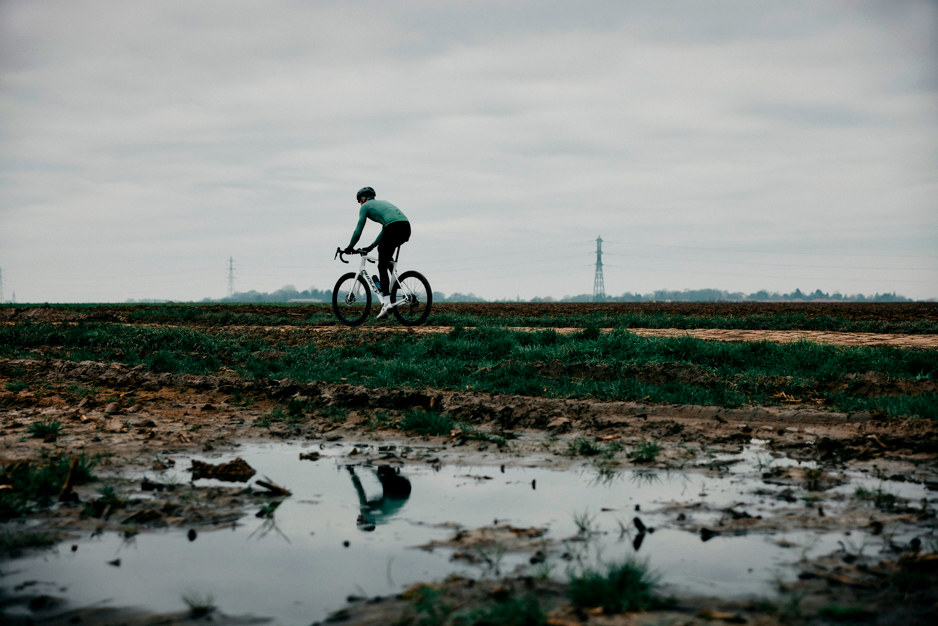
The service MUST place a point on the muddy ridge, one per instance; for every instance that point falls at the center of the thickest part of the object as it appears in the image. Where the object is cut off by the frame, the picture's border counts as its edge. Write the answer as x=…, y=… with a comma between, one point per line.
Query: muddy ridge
x=171, y=408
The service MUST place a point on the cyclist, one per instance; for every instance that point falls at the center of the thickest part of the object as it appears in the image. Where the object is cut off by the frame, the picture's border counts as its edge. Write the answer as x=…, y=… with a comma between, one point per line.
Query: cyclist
x=395, y=230
x=395, y=490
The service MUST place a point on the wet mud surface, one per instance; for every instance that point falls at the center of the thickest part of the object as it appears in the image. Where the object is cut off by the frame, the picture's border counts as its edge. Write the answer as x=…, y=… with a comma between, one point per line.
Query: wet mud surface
x=149, y=420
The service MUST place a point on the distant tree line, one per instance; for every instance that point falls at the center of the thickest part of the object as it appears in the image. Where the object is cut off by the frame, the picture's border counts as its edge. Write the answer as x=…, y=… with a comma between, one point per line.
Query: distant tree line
x=284, y=294
x=290, y=293
x=718, y=295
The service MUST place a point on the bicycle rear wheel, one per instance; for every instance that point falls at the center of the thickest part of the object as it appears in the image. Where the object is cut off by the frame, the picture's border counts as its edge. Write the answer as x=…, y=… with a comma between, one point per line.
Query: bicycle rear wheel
x=351, y=299
x=417, y=298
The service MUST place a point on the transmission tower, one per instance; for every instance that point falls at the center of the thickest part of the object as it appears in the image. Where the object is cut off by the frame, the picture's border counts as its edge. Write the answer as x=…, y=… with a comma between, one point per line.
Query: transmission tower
x=230, y=276
x=599, y=288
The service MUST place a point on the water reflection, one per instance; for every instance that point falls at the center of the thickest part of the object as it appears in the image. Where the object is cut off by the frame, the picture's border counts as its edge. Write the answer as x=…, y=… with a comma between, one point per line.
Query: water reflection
x=270, y=524
x=301, y=579
x=395, y=490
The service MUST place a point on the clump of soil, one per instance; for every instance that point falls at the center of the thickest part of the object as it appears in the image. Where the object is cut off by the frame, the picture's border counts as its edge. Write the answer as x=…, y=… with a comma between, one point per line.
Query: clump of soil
x=236, y=471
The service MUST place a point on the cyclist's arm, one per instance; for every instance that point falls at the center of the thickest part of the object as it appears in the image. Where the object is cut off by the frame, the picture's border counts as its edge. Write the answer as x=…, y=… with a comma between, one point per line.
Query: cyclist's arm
x=362, y=216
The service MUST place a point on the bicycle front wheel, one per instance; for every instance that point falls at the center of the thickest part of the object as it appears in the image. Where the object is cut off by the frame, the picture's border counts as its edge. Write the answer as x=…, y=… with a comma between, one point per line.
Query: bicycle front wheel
x=416, y=296
x=351, y=299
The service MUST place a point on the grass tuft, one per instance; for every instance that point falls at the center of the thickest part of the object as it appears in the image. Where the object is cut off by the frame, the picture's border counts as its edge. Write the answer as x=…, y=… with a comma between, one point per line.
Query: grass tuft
x=427, y=423
x=35, y=483
x=199, y=604
x=582, y=446
x=13, y=543
x=16, y=386
x=47, y=429
x=645, y=452
x=522, y=610
x=621, y=587
x=880, y=498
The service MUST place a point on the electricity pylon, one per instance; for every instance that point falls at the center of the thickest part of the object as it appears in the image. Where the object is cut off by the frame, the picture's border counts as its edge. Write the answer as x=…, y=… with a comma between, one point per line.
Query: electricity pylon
x=599, y=287
x=230, y=276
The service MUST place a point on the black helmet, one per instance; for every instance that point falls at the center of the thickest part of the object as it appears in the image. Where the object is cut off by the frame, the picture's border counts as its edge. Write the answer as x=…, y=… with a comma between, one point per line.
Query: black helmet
x=365, y=192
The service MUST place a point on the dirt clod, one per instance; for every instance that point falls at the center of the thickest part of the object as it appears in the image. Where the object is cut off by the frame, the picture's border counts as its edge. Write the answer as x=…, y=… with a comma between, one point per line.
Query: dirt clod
x=237, y=471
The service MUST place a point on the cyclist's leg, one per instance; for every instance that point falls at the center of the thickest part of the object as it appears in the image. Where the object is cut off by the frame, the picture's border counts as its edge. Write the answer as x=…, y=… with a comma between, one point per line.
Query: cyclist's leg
x=395, y=234
x=385, y=254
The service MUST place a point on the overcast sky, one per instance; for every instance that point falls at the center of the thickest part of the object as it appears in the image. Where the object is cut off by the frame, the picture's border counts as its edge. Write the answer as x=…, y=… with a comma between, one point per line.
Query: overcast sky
x=737, y=145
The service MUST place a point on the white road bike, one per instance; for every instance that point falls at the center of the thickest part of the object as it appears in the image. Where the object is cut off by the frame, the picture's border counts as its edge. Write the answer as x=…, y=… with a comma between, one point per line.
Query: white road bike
x=410, y=293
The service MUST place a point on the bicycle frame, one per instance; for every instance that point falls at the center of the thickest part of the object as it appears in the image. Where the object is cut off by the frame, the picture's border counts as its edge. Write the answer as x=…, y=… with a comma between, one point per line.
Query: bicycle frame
x=392, y=276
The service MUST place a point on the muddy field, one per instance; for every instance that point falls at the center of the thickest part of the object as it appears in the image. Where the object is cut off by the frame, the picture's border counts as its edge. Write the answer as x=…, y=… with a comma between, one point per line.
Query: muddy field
x=881, y=311
x=138, y=418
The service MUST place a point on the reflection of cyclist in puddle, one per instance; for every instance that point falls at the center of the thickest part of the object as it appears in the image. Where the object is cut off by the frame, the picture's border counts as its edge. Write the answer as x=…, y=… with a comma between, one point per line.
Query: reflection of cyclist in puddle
x=395, y=489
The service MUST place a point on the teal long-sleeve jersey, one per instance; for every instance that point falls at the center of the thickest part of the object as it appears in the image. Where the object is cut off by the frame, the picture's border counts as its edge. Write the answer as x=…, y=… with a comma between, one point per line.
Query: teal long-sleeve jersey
x=377, y=211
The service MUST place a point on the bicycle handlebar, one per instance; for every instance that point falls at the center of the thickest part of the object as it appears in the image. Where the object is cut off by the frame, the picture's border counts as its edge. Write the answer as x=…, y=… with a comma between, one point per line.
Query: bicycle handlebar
x=339, y=254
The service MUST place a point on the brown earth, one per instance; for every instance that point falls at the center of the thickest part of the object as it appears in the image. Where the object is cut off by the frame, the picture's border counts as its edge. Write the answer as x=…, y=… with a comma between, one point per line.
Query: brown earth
x=138, y=417
x=899, y=312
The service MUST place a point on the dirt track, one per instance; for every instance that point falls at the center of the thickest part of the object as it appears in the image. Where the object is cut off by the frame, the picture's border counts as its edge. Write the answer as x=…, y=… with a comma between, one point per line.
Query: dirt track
x=710, y=334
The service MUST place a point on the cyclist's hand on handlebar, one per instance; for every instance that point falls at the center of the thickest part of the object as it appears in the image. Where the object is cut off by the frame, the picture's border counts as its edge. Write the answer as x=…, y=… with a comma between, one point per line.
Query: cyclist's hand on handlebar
x=349, y=250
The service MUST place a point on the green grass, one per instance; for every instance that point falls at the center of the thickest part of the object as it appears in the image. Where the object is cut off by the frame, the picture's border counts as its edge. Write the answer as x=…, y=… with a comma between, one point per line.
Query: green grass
x=849, y=614
x=16, y=386
x=47, y=429
x=35, y=483
x=619, y=587
x=290, y=414
x=80, y=391
x=523, y=610
x=335, y=414
x=742, y=316
x=617, y=365
x=107, y=496
x=585, y=523
x=742, y=321
x=581, y=446
x=15, y=542
x=433, y=608
x=922, y=406
x=645, y=452
x=878, y=497
x=427, y=423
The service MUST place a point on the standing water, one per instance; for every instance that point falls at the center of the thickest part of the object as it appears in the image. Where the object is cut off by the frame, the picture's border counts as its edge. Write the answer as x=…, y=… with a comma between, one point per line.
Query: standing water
x=356, y=530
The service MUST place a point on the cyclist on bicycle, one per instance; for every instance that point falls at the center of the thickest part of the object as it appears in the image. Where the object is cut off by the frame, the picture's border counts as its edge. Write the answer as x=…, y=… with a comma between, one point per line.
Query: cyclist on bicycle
x=395, y=230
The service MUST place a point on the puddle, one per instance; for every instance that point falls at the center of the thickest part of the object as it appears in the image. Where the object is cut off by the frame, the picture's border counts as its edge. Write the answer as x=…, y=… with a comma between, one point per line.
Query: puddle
x=316, y=550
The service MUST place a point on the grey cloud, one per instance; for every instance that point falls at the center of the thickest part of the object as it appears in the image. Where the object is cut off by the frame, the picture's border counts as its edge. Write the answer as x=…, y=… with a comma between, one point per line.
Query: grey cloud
x=215, y=125
x=822, y=116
